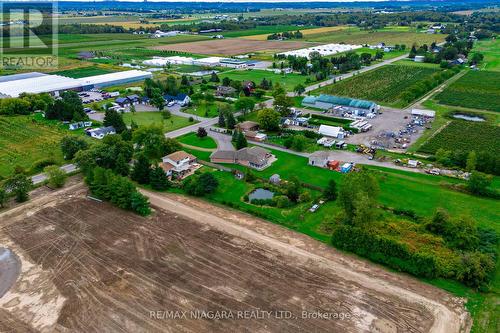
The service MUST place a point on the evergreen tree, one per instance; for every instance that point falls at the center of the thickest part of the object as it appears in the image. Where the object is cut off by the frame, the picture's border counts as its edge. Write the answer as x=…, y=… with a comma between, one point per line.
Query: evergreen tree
x=330, y=192
x=222, y=120
x=140, y=204
x=230, y=121
x=113, y=118
x=158, y=179
x=141, y=170
x=241, y=141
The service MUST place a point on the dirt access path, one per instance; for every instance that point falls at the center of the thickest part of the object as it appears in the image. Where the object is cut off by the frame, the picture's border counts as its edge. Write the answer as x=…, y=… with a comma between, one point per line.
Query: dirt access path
x=448, y=311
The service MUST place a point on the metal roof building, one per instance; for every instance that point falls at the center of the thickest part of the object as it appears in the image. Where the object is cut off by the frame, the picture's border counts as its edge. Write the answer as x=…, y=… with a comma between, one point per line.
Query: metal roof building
x=329, y=101
x=35, y=83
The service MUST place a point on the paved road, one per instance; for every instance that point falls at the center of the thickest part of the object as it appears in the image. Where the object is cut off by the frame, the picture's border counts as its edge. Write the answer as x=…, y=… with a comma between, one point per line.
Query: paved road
x=40, y=178
x=342, y=155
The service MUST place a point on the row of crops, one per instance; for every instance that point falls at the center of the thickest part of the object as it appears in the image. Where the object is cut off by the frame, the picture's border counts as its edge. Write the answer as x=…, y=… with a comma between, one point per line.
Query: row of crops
x=476, y=89
x=465, y=136
x=386, y=84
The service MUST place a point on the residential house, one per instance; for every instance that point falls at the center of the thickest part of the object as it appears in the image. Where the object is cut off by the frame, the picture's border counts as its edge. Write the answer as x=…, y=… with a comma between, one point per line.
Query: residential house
x=225, y=91
x=253, y=157
x=180, y=99
x=100, y=133
x=248, y=126
x=134, y=99
x=122, y=102
x=179, y=164
x=255, y=136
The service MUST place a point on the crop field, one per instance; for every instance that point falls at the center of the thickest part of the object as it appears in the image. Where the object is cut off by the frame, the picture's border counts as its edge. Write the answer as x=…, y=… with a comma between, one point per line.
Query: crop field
x=476, y=90
x=232, y=46
x=466, y=136
x=23, y=143
x=388, y=36
x=289, y=81
x=77, y=73
x=156, y=118
x=94, y=265
x=306, y=31
x=385, y=84
x=264, y=30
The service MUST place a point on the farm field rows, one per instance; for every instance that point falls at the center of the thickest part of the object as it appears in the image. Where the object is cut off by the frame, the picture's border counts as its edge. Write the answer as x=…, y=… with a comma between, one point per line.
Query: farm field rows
x=476, y=90
x=232, y=46
x=466, y=136
x=23, y=143
x=77, y=73
x=385, y=84
x=306, y=31
x=390, y=37
x=263, y=30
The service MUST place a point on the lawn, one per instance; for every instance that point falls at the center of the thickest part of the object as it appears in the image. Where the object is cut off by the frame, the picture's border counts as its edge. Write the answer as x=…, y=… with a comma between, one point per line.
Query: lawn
x=205, y=110
x=192, y=139
x=385, y=84
x=466, y=136
x=476, y=90
x=491, y=50
x=353, y=35
x=156, y=118
x=288, y=81
x=24, y=142
x=399, y=189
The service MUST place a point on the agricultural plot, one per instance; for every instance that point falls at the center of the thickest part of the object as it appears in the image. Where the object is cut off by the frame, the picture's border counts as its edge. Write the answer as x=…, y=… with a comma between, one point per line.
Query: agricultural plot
x=476, y=89
x=388, y=36
x=308, y=31
x=466, y=136
x=263, y=30
x=77, y=73
x=26, y=143
x=120, y=264
x=232, y=46
x=384, y=85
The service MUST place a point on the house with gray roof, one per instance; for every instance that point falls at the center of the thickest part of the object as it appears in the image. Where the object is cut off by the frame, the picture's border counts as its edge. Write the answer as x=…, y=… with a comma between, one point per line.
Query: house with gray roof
x=252, y=157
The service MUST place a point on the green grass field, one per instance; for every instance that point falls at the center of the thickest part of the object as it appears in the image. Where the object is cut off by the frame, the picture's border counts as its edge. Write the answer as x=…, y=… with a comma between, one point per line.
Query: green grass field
x=384, y=85
x=491, y=51
x=288, y=81
x=399, y=189
x=264, y=29
x=389, y=36
x=24, y=142
x=155, y=118
x=193, y=140
x=77, y=73
x=476, y=90
x=466, y=136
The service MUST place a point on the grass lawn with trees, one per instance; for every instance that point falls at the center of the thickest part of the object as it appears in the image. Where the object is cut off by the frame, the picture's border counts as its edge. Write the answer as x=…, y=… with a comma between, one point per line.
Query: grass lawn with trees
x=491, y=50
x=156, y=118
x=288, y=81
x=192, y=139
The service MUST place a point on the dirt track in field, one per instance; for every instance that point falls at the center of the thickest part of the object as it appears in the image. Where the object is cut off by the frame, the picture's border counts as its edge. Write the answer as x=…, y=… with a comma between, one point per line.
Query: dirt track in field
x=232, y=46
x=89, y=267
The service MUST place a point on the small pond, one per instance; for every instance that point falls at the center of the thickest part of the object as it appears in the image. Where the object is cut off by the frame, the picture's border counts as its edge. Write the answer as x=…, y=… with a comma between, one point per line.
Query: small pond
x=467, y=117
x=260, y=194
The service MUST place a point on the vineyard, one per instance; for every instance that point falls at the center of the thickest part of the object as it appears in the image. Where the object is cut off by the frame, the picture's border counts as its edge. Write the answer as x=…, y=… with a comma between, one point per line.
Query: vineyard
x=476, y=89
x=26, y=144
x=386, y=84
x=466, y=136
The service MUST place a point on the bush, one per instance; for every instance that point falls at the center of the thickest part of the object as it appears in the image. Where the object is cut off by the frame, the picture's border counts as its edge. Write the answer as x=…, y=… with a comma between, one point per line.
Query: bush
x=282, y=201
x=56, y=177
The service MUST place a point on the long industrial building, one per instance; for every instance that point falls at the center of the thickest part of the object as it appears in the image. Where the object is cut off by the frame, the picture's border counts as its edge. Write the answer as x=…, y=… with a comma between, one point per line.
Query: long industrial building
x=35, y=83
